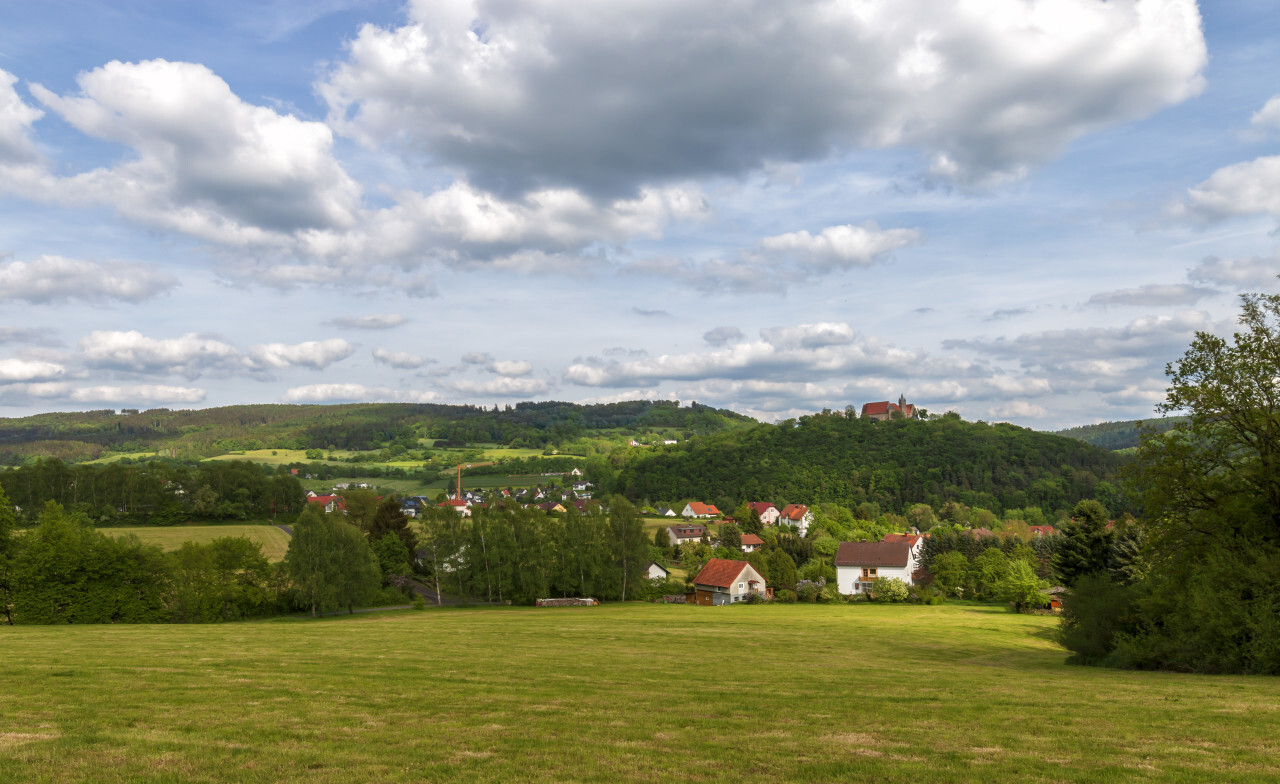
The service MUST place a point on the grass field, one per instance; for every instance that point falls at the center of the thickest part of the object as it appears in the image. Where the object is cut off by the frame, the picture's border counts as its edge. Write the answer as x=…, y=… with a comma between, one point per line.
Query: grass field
x=274, y=541
x=633, y=693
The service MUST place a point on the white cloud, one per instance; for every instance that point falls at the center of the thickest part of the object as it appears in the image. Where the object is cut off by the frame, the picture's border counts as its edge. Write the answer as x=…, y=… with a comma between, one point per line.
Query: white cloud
x=1154, y=294
x=317, y=354
x=55, y=279
x=145, y=393
x=380, y=321
x=397, y=359
x=359, y=393
x=605, y=97
x=190, y=355
x=839, y=247
x=1017, y=408
x=1250, y=188
x=722, y=335
x=502, y=386
x=1268, y=117
x=16, y=119
x=204, y=162
x=512, y=368
x=1257, y=272
x=28, y=370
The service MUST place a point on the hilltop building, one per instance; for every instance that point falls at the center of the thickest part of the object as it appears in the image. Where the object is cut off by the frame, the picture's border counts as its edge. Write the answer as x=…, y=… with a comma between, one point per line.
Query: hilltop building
x=885, y=410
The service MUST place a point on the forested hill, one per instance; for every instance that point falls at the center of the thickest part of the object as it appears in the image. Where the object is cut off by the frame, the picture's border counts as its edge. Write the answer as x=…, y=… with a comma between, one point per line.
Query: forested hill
x=361, y=426
x=831, y=458
x=1118, y=435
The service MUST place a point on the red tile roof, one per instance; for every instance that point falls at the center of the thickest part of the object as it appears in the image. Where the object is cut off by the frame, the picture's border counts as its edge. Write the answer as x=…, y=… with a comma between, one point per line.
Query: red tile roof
x=794, y=511
x=752, y=539
x=703, y=509
x=876, y=409
x=761, y=506
x=721, y=572
x=1041, y=530
x=910, y=539
x=873, y=554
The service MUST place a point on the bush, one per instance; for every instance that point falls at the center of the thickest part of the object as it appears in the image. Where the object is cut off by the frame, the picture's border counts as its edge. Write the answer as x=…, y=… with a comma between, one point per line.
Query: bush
x=785, y=597
x=889, y=589
x=1095, y=614
x=809, y=592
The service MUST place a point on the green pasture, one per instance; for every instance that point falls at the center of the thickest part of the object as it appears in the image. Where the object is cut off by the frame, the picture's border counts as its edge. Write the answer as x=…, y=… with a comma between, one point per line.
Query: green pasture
x=273, y=540
x=115, y=457
x=616, y=693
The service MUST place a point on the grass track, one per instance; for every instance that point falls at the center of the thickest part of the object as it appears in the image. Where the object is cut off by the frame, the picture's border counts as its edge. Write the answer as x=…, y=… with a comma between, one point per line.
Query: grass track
x=274, y=541
x=615, y=693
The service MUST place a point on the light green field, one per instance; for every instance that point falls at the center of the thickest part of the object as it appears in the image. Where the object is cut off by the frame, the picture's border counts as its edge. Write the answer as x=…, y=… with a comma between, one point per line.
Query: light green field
x=273, y=540
x=115, y=457
x=632, y=693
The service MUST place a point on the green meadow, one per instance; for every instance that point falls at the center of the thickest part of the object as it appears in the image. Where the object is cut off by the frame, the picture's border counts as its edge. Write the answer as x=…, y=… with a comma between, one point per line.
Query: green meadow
x=274, y=541
x=633, y=693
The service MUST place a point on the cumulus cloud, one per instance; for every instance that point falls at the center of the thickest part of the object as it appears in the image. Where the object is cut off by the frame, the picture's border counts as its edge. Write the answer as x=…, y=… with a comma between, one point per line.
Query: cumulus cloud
x=511, y=368
x=16, y=119
x=380, y=321
x=318, y=354
x=1018, y=409
x=1154, y=294
x=51, y=279
x=1249, y=188
x=821, y=349
x=355, y=393
x=144, y=393
x=1268, y=117
x=190, y=355
x=1256, y=272
x=838, y=247
x=398, y=359
x=607, y=97
x=502, y=386
x=29, y=370
x=204, y=162
x=722, y=335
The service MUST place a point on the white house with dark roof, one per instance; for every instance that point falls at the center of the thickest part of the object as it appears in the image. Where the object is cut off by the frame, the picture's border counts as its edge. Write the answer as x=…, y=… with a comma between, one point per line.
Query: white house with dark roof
x=860, y=564
x=684, y=533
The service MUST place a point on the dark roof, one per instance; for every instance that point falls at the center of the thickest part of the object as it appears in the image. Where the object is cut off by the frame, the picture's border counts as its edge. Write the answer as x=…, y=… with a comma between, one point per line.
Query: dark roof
x=687, y=531
x=720, y=572
x=873, y=554
x=660, y=566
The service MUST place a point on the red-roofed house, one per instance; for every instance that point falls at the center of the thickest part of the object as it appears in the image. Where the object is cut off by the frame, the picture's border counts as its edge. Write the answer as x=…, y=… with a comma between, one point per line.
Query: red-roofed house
x=330, y=503
x=723, y=581
x=860, y=564
x=769, y=513
x=695, y=509
x=797, y=515
x=885, y=410
x=1041, y=530
x=460, y=504
x=751, y=543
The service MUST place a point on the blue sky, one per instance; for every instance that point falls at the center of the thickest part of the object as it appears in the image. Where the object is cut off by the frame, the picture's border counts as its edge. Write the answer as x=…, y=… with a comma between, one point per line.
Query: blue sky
x=1016, y=210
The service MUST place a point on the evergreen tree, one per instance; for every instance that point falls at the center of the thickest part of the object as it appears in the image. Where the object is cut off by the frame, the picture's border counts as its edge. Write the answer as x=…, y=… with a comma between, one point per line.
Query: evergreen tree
x=782, y=570
x=730, y=537
x=389, y=519
x=1086, y=543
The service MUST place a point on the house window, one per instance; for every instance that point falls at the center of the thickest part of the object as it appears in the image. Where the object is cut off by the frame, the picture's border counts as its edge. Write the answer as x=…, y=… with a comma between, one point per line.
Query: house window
x=741, y=586
x=868, y=572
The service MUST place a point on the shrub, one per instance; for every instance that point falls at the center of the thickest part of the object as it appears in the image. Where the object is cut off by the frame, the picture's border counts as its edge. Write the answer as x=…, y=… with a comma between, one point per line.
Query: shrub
x=1095, y=613
x=785, y=597
x=889, y=589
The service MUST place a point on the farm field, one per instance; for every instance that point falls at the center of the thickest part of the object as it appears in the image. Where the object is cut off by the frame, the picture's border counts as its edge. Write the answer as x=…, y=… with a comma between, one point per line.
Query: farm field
x=274, y=541
x=615, y=693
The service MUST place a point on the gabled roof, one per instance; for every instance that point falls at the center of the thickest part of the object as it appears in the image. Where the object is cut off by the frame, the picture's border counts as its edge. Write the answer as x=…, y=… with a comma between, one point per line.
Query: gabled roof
x=687, y=531
x=660, y=566
x=720, y=572
x=699, y=508
x=873, y=554
x=1041, y=530
x=752, y=539
x=453, y=502
x=795, y=511
x=876, y=409
x=761, y=506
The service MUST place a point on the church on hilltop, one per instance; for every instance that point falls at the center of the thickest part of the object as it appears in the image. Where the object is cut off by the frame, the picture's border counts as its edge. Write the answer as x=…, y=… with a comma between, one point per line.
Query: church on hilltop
x=885, y=410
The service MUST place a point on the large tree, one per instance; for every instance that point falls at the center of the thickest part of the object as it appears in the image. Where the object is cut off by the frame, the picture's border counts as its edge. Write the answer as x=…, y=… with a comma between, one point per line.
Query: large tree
x=330, y=563
x=1210, y=494
x=8, y=549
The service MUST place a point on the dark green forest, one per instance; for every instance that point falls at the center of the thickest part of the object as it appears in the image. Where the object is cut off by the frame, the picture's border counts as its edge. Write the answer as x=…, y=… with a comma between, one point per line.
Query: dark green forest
x=829, y=457
x=1119, y=435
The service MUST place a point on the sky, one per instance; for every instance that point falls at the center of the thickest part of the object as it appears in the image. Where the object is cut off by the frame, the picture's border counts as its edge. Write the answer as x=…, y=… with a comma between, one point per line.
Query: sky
x=1019, y=211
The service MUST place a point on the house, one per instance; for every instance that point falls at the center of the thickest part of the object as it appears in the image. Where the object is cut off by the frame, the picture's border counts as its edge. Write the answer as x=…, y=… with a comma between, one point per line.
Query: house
x=669, y=442
x=695, y=509
x=885, y=410
x=769, y=513
x=664, y=512
x=797, y=515
x=551, y=506
x=685, y=533
x=915, y=541
x=1041, y=530
x=460, y=504
x=656, y=571
x=410, y=507
x=329, y=503
x=576, y=472
x=723, y=581
x=751, y=543
x=860, y=564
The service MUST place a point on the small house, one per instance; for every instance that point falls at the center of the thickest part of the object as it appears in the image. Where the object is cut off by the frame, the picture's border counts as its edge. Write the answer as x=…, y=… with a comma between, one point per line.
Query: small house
x=723, y=581
x=700, y=510
x=684, y=533
x=751, y=543
x=797, y=515
x=768, y=513
x=656, y=571
x=860, y=564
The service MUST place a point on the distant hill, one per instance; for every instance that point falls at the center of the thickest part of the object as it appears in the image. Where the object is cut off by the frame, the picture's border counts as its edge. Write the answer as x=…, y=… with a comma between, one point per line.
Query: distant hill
x=833, y=458
x=359, y=426
x=1115, y=436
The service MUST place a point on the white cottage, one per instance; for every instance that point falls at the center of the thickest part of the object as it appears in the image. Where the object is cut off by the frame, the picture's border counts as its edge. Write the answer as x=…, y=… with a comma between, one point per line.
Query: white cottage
x=860, y=564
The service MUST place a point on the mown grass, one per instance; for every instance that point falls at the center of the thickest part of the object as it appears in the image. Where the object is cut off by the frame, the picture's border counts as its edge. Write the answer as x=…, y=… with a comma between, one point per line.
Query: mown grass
x=274, y=541
x=615, y=693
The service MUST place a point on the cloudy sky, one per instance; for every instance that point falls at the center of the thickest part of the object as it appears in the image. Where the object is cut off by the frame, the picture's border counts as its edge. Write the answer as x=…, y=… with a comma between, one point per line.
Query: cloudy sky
x=1016, y=210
